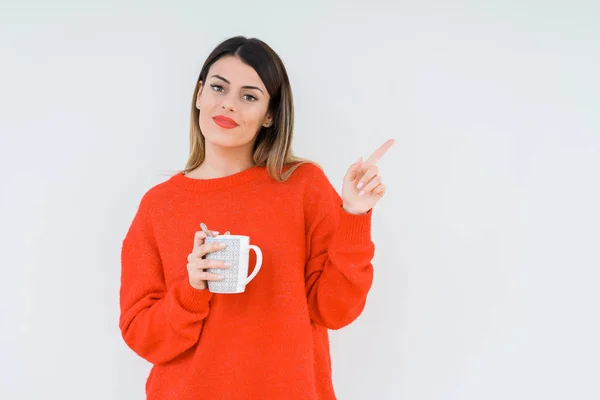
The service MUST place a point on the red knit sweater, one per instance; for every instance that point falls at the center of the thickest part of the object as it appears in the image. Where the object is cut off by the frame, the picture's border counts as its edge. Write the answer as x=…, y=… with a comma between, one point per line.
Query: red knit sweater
x=271, y=341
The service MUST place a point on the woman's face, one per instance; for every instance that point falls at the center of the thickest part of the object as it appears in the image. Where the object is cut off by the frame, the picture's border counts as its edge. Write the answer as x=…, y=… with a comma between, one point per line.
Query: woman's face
x=233, y=104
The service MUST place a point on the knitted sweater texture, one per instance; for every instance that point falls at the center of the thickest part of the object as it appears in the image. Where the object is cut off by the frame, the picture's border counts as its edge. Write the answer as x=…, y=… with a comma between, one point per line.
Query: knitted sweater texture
x=271, y=341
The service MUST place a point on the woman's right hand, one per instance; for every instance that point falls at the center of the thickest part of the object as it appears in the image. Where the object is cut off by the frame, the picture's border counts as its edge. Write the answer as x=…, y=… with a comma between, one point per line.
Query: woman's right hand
x=197, y=265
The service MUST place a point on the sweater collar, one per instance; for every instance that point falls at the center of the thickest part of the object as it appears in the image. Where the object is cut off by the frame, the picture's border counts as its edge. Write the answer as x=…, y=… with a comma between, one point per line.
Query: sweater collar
x=201, y=185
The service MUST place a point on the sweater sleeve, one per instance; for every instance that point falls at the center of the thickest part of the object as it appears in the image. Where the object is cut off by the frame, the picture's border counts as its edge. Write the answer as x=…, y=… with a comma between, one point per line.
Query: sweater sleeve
x=156, y=322
x=339, y=273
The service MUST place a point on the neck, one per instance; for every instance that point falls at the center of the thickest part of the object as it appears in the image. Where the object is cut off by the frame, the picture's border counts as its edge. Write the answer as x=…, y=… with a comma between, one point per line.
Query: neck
x=219, y=162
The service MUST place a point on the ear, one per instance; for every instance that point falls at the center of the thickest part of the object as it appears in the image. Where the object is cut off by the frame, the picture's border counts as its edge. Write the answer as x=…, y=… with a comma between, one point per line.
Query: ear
x=268, y=120
x=199, y=95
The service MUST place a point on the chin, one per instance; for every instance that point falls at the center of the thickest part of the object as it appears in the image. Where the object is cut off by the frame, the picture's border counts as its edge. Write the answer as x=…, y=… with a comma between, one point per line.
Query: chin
x=223, y=139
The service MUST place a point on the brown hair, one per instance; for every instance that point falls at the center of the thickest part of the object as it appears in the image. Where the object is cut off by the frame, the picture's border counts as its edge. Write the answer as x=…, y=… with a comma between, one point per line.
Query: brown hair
x=272, y=147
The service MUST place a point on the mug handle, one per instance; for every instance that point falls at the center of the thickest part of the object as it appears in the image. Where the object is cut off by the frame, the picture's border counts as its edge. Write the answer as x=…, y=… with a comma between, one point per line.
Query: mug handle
x=258, y=263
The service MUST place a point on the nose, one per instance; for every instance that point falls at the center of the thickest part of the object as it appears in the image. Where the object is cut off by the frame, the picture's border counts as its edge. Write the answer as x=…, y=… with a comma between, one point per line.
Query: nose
x=227, y=106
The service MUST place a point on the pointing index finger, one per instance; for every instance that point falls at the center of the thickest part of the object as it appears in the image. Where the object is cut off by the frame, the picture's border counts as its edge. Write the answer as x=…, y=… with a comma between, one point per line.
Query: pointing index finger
x=376, y=156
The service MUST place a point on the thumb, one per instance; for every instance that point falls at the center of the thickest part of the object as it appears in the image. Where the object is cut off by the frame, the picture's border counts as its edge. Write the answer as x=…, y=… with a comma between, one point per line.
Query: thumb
x=352, y=173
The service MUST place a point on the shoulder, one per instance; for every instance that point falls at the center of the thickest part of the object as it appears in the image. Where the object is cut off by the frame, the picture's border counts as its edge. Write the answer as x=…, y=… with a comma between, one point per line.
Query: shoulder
x=309, y=173
x=317, y=189
x=157, y=194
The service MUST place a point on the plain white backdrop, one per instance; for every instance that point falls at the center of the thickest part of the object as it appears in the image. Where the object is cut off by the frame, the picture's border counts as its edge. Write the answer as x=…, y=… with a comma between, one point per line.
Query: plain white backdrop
x=488, y=242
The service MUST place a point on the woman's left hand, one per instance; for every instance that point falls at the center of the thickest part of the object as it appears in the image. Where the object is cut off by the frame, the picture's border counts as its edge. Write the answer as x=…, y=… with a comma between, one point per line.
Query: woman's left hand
x=362, y=187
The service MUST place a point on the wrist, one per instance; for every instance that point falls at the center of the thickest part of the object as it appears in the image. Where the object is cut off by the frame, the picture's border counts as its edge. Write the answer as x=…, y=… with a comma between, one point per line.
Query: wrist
x=202, y=285
x=350, y=210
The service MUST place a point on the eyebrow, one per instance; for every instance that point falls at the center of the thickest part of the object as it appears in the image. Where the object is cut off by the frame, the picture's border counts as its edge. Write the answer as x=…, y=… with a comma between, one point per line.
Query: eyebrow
x=243, y=87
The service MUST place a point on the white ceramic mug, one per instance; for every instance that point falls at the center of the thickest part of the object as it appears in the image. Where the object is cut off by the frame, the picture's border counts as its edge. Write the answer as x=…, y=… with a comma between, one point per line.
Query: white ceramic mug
x=236, y=253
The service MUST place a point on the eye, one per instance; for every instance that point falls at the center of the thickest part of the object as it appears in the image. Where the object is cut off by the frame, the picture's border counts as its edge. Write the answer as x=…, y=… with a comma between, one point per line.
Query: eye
x=216, y=88
x=249, y=97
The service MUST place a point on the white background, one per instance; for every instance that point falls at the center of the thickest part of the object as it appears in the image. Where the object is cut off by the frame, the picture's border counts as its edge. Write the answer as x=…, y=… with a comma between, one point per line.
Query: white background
x=488, y=242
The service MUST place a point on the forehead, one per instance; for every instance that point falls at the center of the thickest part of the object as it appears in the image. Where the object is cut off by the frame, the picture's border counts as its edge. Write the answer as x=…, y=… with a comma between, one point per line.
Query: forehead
x=236, y=71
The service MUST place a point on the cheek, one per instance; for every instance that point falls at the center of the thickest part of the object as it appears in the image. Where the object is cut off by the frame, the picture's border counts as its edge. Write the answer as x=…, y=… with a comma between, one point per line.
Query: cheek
x=207, y=110
x=254, y=118
x=205, y=119
x=207, y=105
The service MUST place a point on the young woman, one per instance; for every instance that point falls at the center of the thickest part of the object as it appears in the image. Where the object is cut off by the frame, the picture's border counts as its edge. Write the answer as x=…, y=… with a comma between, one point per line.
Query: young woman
x=271, y=341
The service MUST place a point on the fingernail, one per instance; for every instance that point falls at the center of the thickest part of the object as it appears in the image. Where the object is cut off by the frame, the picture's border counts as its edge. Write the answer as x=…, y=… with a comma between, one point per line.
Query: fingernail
x=360, y=184
x=362, y=192
x=228, y=264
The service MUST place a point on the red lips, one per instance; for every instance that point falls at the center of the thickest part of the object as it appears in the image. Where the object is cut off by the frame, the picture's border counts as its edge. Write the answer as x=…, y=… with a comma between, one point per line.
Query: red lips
x=225, y=122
